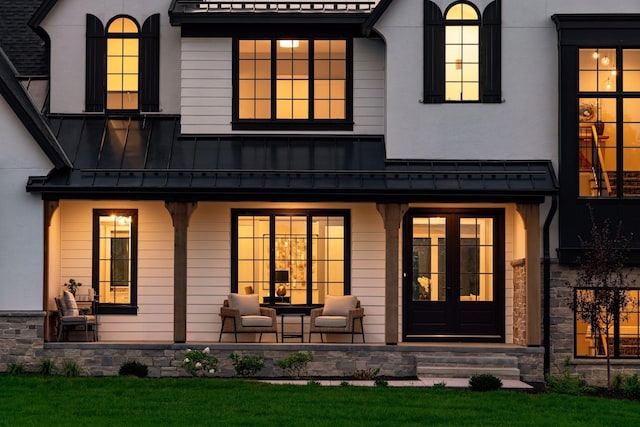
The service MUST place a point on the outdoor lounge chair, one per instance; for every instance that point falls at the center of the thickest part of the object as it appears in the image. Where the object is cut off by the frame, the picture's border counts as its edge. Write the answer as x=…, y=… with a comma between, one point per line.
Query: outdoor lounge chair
x=70, y=317
x=242, y=314
x=340, y=315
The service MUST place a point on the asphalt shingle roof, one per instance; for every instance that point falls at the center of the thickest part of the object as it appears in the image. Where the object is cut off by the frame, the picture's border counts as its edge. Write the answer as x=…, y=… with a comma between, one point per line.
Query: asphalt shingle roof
x=25, y=49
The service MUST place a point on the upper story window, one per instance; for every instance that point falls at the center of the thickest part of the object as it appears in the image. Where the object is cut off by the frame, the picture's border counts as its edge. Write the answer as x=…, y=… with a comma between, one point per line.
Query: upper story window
x=292, y=84
x=123, y=48
x=462, y=53
x=122, y=65
x=609, y=116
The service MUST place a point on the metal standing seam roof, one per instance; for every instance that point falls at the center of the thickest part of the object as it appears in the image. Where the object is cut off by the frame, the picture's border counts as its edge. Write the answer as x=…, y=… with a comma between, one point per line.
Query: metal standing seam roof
x=149, y=158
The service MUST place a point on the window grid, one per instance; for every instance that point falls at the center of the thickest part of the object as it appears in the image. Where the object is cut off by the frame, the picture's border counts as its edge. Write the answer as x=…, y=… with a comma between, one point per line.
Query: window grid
x=462, y=53
x=122, y=64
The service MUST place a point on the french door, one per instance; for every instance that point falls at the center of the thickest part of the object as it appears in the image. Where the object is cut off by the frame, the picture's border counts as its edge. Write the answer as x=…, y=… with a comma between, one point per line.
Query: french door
x=453, y=275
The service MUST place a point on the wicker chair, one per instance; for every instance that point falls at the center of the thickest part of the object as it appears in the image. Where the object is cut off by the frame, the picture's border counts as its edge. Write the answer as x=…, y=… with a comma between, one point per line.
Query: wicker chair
x=68, y=317
x=242, y=314
x=340, y=315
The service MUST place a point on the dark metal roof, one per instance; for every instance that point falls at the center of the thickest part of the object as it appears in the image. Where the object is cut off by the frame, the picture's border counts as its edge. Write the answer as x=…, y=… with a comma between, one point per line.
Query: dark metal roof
x=148, y=158
x=19, y=101
x=21, y=44
x=264, y=17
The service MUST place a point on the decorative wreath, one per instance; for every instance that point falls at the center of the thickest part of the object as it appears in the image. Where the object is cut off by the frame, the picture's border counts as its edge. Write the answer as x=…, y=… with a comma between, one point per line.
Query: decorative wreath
x=587, y=112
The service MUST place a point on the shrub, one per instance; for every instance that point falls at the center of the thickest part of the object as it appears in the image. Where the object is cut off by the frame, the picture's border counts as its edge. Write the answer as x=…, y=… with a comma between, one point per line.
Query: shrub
x=313, y=383
x=381, y=382
x=631, y=387
x=344, y=384
x=296, y=364
x=46, y=367
x=245, y=365
x=439, y=386
x=484, y=382
x=15, y=368
x=134, y=368
x=365, y=374
x=199, y=362
x=567, y=383
x=71, y=369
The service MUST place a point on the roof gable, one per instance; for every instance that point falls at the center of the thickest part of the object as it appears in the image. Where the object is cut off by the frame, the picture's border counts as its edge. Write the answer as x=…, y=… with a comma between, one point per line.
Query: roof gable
x=21, y=104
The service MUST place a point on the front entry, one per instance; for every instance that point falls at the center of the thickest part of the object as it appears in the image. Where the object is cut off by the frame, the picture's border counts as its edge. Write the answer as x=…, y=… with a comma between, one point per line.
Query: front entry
x=453, y=275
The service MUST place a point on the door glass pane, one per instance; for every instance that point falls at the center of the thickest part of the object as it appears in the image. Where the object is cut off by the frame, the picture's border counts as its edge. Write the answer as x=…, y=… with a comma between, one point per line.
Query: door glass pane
x=429, y=260
x=114, y=276
x=291, y=258
x=631, y=147
x=476, y=259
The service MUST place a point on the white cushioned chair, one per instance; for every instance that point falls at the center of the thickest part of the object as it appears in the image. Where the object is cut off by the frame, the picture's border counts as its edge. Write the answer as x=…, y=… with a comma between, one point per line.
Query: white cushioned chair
x=69, y=316
x=340, y=315
x=242, y=314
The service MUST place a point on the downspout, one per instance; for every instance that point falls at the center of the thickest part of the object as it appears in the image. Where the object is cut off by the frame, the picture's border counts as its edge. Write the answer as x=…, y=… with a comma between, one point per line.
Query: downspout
x=547, y=286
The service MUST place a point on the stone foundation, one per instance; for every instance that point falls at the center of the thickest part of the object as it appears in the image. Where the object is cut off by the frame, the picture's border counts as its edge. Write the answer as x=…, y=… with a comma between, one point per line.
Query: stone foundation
x=21, y=337
x=562, y=332
x=519, y=302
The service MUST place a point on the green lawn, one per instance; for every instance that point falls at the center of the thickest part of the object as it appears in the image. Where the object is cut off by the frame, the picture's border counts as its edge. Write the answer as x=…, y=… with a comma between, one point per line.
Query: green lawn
x=122, y=401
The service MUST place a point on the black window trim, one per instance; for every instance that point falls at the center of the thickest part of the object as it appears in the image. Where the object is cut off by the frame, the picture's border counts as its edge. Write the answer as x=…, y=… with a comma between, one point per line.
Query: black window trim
x=490, y=53
x=345, y=124
x=108, y=308
x=309, y=213
x=148, y=70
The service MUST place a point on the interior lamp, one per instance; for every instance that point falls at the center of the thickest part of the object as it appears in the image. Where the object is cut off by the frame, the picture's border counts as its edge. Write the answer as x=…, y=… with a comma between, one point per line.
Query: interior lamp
x=289, y=44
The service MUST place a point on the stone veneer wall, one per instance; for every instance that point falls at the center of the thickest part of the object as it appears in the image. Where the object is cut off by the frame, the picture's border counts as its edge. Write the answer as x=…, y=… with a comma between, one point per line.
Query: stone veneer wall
x=519, y=302
x=333, y=360
x=562, y=332
x=21, y=337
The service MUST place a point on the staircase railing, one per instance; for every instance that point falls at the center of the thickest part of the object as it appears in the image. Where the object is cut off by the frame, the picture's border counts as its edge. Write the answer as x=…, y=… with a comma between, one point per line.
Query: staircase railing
x=597, y=162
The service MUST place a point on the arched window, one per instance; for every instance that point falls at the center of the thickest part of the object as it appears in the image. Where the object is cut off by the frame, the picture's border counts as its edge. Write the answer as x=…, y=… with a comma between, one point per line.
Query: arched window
x=123, y=49
x=462, y=53
x=462, y=50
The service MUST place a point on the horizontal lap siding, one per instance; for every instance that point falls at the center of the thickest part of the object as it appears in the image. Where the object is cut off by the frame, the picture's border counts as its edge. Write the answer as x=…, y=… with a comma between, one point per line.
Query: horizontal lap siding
x=154, y=321
x=206, y=82
x=209, y=267
x=206, y=85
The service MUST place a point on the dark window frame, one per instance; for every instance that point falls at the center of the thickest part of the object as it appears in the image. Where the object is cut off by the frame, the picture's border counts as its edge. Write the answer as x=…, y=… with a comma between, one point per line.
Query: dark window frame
x=274, y=123
x=109, y=308
x=309, y=214
x=578, y=31
x=616, y=334
x=148, y=68
x=490, y=90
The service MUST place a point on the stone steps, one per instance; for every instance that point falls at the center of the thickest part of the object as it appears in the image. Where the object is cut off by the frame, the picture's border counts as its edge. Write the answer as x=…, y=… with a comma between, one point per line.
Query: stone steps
x=455, y=366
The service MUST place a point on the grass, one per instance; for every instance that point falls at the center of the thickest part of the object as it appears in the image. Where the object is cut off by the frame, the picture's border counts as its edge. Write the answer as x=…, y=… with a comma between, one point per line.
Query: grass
x=30, y=400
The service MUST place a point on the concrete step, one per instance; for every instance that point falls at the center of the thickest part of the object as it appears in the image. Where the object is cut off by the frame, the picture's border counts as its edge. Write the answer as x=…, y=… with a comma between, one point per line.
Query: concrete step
x=452, y=366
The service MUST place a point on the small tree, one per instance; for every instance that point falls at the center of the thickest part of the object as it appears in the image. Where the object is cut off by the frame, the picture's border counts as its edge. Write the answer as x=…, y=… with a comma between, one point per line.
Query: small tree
x=601, y=289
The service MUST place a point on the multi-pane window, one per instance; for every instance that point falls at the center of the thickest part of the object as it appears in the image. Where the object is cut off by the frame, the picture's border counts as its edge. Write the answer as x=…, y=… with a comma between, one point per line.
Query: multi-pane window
x=621, y=338
x=292, y=80
x=291, y=258
x=114, y=256
x=609, y=115
x=462, y=53
x=122, y=64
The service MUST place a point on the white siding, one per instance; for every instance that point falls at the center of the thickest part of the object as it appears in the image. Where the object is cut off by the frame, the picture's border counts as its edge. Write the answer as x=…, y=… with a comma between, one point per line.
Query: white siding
x=21, y=229
x=206, y=86
x=154, y=321
x=66, y=27
x=523, y=126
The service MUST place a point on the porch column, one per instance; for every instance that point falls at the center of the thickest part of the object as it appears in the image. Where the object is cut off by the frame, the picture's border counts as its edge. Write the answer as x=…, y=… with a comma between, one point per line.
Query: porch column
x=180, y=215
x=392, y=217
x=530, y=214
x=50, y=207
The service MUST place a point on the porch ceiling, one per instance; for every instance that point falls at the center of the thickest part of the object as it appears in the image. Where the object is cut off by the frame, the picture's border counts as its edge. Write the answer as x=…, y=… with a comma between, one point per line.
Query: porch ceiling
x=148, y=158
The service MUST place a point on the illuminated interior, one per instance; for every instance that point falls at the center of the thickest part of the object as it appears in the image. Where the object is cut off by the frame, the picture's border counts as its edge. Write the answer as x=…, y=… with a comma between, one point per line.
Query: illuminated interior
x=474, y=276
x=302, y=262
x=462, y=53
x=593, y=343
x=122, y=64
x=114, y=275
x=305, y=79
x=609, y=116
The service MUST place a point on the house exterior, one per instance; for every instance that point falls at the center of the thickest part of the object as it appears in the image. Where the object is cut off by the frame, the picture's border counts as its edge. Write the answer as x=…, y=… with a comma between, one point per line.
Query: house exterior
x=402, y=151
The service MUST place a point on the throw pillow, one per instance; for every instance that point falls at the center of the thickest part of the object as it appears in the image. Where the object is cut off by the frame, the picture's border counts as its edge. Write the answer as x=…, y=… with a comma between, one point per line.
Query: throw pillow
x=339, y=305
x=248, y=305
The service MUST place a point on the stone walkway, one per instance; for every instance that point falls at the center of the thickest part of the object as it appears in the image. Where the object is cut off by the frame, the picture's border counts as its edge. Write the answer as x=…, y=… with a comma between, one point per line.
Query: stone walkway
x=419, y=382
